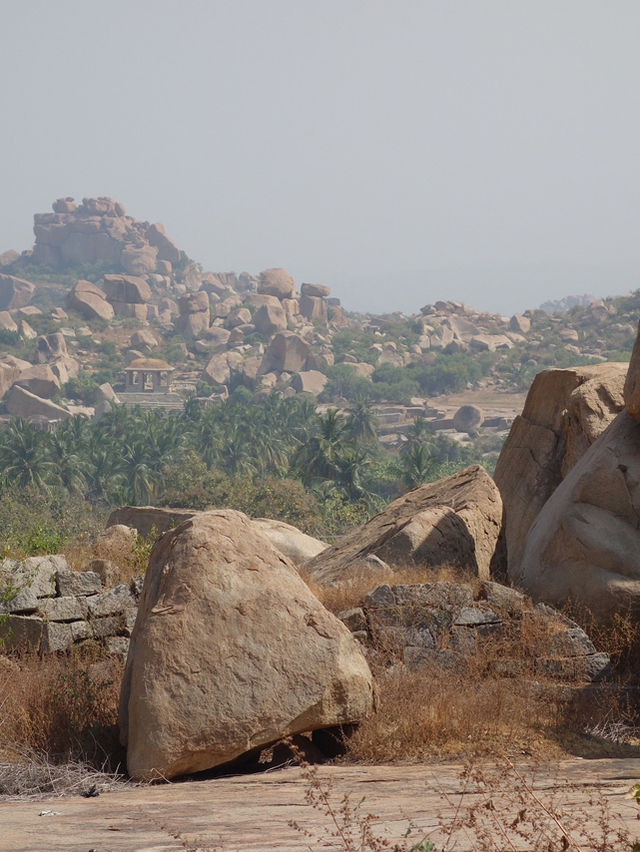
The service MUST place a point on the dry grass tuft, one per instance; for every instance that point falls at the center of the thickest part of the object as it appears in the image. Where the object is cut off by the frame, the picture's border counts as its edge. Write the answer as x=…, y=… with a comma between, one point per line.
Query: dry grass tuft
x=442, y=714
x=619, y=637
x=31, y=775
x=63, y=707
x=127, y=556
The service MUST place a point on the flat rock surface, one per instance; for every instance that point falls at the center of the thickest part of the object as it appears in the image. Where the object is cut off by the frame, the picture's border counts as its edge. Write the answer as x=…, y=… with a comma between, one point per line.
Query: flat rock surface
x=252, y=812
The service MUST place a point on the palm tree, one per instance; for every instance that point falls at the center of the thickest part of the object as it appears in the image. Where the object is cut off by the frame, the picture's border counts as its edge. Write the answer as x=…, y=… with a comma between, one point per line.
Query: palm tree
x=72, y=464
x=418, y=465
x=25, y=456
x=317, y=458
x=362, y=420
x=141, y=474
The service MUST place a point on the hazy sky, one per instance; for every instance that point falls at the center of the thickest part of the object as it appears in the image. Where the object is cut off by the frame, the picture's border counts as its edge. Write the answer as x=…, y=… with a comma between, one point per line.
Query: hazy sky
x=399, y=151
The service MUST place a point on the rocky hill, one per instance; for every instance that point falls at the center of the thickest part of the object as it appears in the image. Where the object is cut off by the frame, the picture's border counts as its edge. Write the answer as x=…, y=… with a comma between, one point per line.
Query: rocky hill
x=100, y=290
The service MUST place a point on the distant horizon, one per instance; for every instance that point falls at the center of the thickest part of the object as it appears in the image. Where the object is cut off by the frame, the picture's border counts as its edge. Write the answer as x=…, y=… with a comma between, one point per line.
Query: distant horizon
x=492, y=289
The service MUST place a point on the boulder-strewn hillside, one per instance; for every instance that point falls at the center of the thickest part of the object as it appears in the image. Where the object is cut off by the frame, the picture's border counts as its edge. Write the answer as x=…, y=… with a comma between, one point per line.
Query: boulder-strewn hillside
x=104, y=289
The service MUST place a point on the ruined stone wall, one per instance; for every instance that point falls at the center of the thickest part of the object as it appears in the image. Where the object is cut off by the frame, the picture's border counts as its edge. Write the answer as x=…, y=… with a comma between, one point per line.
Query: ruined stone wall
x=45, y=606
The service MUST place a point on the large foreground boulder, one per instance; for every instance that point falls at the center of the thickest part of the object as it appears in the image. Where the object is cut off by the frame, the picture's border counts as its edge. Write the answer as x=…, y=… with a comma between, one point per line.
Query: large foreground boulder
x=632, y=382
x=584, y=546
x=564, y=413
x=455, y=521
x=230, y=652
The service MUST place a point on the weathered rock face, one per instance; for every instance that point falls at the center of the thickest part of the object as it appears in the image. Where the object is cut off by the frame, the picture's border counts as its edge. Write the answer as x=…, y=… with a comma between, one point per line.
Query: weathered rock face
x=89, y=301
x=219, y=369
x=456, y=520
x=442, y=624
x=50, y=346
x=230, y=651
x=215, y=339
x=14, y=292
x=168, y=251
x=195, y=314
x=286, y=352
x=632, y=382
x=277, y=282
x=40, y=380
x=584, y=544
x=98, y=231
x=10, y=370
x=314, y=308
x=520, y=324
x=7, y=322
x=309, y=381
x=564, y=413
x=270, y=318
x=126, y=288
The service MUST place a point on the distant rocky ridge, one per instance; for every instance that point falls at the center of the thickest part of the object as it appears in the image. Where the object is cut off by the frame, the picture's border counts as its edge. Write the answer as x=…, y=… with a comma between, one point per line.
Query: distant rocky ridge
x=259, y=331
x=560, y=306
x=99, y=231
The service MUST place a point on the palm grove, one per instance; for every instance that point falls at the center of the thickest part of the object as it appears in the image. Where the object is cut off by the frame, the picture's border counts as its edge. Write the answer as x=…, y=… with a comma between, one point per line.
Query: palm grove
x=279, y=458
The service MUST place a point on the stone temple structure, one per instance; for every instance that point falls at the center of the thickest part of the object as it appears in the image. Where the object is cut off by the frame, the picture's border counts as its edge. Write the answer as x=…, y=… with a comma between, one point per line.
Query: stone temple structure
x=148, y=385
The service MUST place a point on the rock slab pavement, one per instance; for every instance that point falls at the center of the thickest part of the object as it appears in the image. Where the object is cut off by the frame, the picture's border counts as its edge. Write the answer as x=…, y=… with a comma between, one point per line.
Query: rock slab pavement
x=251, y=813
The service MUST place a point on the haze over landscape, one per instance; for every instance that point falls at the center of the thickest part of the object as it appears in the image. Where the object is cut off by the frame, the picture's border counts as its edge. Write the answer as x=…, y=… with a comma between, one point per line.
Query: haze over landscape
x=397, y=153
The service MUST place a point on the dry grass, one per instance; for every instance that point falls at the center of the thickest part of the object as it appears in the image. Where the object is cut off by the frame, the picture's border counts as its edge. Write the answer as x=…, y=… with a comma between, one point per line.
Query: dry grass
x=348, y=595
x=128, y=557
x=443, y=714
x=31, y=775
x=619, y=637
x=61, y=707
x=78, y=554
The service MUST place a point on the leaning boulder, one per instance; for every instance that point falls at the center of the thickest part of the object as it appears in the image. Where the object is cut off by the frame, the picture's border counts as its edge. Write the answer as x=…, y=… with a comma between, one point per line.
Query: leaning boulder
x=454, y=521
x=89, y=301
x=14, y=292
x=23, y=403
x=584, y=545
x=230, y=652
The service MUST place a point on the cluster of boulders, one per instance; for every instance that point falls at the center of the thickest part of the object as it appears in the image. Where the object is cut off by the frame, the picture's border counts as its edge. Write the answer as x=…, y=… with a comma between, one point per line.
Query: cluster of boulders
x=98, y=231
x=258, y=331
x=455, y=327
x=230, y=650
x=569, y=475
x=446, y=624
x=29, y=388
